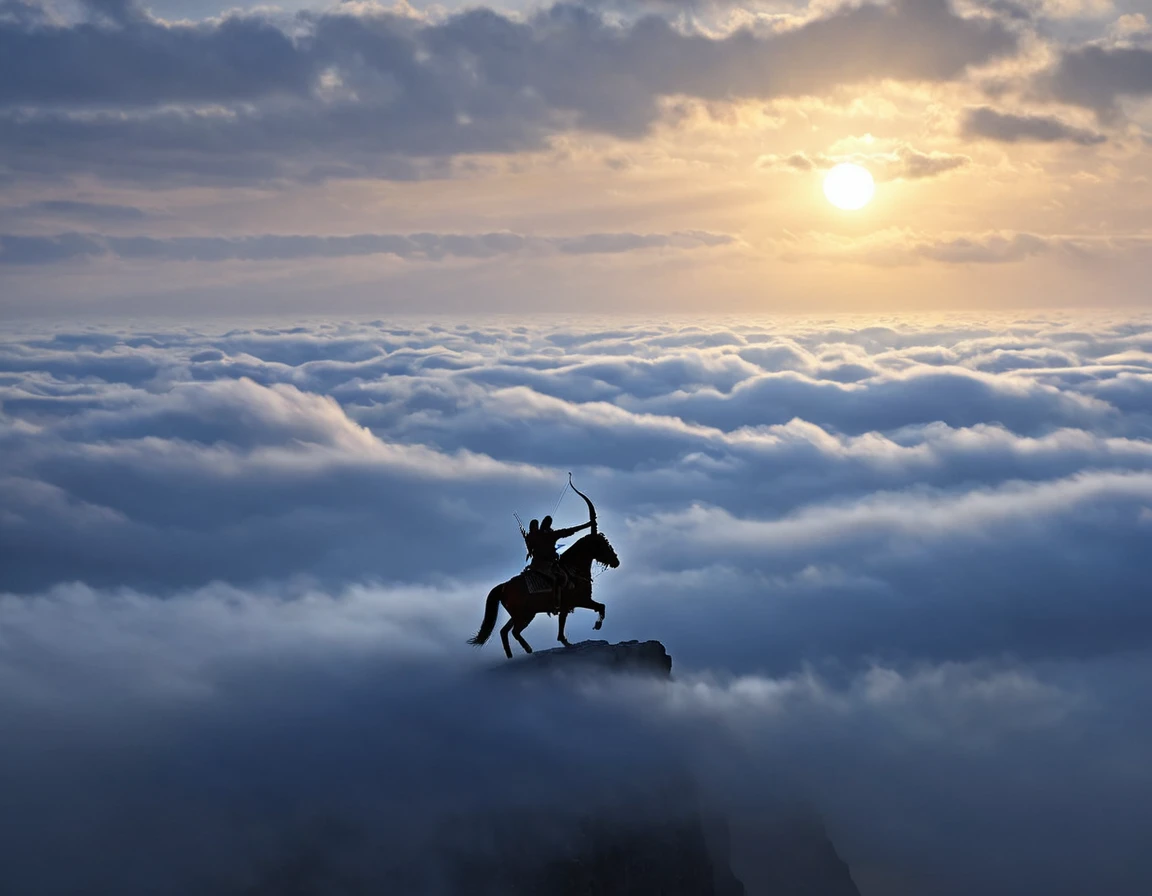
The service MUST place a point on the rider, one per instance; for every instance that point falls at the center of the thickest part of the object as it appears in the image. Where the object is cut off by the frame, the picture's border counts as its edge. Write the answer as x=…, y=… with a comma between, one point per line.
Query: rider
x=541, y=539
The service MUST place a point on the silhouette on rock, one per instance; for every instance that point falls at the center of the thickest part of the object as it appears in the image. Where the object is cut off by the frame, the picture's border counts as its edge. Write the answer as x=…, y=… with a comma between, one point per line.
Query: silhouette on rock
x=551, y=584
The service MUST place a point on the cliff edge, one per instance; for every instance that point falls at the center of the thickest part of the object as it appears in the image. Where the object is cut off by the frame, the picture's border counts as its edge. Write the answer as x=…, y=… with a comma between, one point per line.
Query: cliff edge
x=630, y=657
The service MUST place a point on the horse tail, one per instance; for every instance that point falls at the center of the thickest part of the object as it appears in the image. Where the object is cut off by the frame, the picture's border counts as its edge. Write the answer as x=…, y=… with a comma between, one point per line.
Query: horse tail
x=491, y=608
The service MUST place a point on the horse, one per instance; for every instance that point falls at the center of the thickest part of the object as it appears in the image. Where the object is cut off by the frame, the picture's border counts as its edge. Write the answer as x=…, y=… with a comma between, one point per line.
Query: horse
x=522, y=605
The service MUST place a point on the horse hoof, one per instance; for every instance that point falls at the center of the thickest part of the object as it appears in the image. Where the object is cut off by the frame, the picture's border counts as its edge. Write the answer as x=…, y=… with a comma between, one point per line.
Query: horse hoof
x=597, y=625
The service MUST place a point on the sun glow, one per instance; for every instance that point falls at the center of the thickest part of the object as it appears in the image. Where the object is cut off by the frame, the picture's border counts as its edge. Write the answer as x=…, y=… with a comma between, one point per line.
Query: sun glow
x=849, y=186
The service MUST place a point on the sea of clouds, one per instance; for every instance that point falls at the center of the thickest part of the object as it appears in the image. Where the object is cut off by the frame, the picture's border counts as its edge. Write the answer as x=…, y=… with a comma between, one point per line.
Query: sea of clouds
x=902, y=566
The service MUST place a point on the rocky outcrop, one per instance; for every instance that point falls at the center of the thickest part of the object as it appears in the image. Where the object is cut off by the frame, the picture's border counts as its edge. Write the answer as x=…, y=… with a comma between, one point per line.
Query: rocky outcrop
x=633, y=657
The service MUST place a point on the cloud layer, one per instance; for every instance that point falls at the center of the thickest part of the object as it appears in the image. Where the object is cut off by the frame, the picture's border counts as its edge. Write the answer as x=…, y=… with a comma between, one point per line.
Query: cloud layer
x=900, y=566
x=31, y=250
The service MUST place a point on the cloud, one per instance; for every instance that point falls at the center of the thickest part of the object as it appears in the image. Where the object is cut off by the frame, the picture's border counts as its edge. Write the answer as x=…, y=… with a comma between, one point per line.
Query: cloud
x=30, y=250
x=131, y=60
x=919, y=165
x=239, y=418
x=240, y=99
x=82, y=211
x=903, y=163
x=988, y=123
x=895, y=247
x=266, y=723
x=898, y=562
x=990, y=249
x=1097, y=77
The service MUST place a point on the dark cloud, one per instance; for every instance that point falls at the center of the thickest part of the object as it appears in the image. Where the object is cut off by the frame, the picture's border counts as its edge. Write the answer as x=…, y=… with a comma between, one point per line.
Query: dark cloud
x=1098, y=76
x=988, y=123
x=30, y=250
x=80, y=211
x=919, y=165
x=290, y=756
x=16, y=249
x=1009, y=9
x=133, y=61
x=354, y=94
x=901, y=569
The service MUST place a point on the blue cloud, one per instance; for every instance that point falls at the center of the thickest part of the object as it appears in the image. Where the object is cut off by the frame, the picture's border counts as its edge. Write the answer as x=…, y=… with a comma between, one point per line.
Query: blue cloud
x=920, y=576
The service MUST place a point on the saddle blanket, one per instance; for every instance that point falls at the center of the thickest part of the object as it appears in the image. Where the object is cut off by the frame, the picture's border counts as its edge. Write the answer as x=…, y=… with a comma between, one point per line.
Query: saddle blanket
x=534, y=582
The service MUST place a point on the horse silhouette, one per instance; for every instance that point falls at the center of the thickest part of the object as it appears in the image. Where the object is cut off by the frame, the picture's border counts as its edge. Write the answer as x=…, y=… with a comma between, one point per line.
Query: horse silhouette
x=523, y=605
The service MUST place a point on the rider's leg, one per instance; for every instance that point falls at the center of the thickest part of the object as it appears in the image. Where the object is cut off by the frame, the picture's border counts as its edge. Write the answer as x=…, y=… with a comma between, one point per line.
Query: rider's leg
x=560, y=580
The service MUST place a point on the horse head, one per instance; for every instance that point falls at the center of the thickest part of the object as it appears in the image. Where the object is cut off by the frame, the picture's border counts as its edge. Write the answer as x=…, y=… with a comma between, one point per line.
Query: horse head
x=591, y=549
x=602, y=551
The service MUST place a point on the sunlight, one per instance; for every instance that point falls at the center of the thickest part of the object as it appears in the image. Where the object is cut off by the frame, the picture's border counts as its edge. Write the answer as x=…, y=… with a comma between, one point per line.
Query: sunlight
x=849, y=187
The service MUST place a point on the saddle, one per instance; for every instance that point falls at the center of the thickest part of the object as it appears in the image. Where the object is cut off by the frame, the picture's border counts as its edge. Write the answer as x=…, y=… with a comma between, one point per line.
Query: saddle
x=536, y=582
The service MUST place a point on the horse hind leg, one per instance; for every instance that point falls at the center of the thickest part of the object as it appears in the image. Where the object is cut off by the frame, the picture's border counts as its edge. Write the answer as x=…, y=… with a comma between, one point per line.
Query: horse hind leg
x=516, y=629
x=504, y=637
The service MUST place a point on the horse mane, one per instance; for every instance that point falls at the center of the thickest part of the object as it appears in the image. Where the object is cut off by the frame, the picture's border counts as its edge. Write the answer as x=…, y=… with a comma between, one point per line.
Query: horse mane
x=583, y=540
x=584, y=548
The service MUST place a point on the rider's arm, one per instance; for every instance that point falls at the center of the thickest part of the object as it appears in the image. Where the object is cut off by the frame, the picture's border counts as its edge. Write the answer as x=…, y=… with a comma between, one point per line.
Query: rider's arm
x=564, y=533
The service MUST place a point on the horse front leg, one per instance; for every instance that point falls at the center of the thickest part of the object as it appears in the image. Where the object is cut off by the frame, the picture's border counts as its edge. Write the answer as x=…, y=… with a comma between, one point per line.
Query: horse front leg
x=599, y=608
x=560, y=636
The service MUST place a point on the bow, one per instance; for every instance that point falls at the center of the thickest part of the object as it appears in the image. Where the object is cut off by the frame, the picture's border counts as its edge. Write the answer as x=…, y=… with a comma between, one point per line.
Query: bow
x=588, y=501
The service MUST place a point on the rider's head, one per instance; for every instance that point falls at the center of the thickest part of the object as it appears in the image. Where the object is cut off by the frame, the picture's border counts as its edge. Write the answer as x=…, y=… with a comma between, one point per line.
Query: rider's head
x=546, y=523
x=533, y=526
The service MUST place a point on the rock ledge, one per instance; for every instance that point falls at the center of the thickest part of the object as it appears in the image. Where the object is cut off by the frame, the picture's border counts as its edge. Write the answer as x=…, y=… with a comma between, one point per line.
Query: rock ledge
x=634, y=657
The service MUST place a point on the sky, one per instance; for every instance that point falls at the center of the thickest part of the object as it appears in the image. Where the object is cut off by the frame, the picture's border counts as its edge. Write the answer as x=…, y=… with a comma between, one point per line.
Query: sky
x=299, y=304
x=642, y=155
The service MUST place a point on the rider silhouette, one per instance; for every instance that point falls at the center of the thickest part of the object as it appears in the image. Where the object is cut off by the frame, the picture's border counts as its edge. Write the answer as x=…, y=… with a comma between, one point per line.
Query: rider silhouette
x=541, y=540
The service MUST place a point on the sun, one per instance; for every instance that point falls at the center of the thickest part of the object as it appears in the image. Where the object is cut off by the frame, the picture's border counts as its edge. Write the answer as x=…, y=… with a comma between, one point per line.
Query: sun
x=849, y=186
